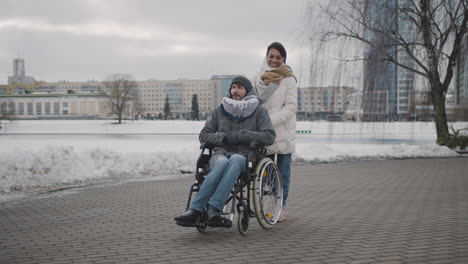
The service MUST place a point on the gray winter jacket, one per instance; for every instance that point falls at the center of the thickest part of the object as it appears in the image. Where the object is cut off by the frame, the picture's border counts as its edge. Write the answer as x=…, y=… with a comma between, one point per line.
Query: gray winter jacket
x=257, y=127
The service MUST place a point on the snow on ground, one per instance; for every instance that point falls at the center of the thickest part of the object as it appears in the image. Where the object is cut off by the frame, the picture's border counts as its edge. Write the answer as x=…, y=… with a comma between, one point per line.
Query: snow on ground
x=37, y=156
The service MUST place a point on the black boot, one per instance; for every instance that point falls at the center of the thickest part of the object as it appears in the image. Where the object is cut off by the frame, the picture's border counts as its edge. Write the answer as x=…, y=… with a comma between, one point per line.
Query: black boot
x=190, y=218
x=214, y=217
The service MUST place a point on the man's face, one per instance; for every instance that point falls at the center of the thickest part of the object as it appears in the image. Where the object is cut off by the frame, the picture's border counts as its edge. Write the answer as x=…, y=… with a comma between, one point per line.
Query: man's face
x=238, y=91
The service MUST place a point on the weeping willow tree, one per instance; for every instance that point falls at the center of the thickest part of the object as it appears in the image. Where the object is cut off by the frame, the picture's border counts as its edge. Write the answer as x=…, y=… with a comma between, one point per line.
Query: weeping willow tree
x=417, y=38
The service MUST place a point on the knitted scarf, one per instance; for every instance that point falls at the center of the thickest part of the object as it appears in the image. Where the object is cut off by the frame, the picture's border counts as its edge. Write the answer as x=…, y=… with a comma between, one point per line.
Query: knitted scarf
x=269, y=80
x=239, y=110
x=276, y=74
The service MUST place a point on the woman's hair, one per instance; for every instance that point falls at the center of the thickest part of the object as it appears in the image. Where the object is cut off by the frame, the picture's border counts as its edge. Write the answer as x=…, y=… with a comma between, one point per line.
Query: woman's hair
x=278, y=46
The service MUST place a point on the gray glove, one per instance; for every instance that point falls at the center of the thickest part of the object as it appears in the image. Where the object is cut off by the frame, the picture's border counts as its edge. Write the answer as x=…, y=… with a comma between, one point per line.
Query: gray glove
x=244, y=137
x=231, y=139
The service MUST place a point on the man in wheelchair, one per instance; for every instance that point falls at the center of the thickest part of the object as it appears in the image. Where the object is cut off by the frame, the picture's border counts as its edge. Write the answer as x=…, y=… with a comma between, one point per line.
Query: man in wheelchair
x=236, y=122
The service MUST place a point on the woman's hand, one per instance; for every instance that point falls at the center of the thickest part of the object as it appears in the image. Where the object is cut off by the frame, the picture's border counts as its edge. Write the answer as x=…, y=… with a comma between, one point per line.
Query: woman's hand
x=269, y=77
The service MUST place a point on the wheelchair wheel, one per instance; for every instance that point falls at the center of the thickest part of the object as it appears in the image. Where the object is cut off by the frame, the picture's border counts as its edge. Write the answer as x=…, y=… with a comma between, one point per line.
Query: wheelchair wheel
x=267, y=193
x=243, y=222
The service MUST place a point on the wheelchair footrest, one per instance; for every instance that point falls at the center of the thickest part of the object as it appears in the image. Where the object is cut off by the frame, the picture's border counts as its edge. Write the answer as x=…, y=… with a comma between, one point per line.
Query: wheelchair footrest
x=227, y=223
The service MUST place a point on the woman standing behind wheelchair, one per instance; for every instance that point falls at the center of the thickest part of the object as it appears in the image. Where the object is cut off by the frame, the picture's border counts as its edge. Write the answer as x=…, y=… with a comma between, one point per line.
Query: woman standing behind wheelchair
x=276, y=88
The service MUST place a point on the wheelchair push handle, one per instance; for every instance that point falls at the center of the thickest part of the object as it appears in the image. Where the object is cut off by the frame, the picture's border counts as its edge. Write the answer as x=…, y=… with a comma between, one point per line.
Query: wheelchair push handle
x=206, y=146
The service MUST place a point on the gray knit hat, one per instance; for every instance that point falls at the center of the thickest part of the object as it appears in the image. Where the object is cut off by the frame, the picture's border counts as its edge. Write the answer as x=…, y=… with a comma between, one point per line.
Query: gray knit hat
x=243, y=81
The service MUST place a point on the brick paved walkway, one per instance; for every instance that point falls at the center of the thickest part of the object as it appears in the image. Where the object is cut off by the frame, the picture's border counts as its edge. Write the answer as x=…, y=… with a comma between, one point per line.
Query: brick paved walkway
x=398, y=211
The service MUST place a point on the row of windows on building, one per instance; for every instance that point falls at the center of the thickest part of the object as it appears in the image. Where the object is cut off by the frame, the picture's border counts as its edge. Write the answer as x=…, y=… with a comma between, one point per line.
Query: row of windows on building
x=28, y=108
x=321, y=92
x=319, y=103
x=325, y=98
x=172, y=85
x=95, y=88
x=161, y=102
x=161, y=95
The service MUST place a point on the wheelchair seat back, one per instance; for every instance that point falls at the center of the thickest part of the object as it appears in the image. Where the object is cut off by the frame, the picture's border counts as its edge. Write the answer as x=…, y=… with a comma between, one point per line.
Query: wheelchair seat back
x=203, y=164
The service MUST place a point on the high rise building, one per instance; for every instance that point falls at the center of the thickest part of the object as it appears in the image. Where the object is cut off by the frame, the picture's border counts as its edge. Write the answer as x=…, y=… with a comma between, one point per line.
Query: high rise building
x=380, y=80
x=220, y=87
x=18, y=68
x=406, y=82
x=388, y=88
x=461, y=77
x=19, y=74
x=460, y=93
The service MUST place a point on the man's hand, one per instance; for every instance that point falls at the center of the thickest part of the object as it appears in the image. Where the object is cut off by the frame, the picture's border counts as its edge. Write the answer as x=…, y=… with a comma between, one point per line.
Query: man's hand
x=243, y=137
x=231, y=139
x=234, y=138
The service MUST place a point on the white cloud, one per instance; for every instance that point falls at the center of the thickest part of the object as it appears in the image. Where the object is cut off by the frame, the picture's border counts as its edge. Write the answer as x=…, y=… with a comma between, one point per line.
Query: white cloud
x=106, y=28
x=101, y=28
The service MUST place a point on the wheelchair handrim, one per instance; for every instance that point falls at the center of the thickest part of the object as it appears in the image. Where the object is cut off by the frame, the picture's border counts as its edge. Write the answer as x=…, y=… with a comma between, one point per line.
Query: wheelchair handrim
x=265, y=181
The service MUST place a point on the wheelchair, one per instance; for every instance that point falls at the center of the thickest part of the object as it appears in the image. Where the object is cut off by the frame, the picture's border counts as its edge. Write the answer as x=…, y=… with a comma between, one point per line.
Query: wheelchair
x=257, y=193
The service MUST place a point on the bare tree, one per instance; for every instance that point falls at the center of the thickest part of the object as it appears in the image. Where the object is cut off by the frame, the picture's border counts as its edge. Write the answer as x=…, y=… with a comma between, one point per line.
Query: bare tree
x=432, y=43
x=121, y=91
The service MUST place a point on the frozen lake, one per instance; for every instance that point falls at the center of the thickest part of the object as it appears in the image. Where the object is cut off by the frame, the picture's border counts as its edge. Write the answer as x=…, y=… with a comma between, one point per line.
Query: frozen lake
x=146, y=136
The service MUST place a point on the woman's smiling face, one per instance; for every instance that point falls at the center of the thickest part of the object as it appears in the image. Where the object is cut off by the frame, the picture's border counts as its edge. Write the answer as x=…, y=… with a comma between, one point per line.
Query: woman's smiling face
x=274, y=58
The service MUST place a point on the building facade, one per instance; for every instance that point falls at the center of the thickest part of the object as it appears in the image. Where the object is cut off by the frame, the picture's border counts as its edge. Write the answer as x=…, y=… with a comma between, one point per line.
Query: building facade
x=388, y=89
x=406, y=78
x=86, y=100
x=220, y=87
x=380, y=76
x=353, y=106
x=55, y=106
x=152, y=96
x=327, y=103
x=460, y=94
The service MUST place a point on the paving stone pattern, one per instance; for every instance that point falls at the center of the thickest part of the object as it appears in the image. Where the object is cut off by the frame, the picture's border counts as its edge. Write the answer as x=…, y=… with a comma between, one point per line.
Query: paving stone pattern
x=396, y=211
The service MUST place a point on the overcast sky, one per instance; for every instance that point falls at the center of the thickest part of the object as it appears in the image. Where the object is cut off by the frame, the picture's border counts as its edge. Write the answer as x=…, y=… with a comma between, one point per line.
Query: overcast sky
x=79, y=40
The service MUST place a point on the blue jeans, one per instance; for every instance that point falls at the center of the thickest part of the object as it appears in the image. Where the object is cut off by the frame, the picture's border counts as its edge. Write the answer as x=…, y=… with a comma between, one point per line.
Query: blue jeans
x=219, y=182
x=284, y=164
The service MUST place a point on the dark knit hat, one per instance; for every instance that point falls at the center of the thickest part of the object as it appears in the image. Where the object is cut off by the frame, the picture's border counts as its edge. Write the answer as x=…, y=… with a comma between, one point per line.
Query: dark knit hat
x=243, y=81
x=278, y=46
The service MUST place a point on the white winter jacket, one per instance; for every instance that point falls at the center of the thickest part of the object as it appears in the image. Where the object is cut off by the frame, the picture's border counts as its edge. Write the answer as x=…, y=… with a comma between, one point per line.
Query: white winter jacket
x=281, y=106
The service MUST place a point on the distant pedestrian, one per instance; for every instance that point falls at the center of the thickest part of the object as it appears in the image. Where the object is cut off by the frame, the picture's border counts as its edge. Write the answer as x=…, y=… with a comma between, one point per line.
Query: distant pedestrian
x=276, y=88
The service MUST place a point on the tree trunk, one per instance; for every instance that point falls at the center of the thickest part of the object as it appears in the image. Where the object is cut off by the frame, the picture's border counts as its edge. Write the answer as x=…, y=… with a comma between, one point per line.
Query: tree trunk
x=438, y=102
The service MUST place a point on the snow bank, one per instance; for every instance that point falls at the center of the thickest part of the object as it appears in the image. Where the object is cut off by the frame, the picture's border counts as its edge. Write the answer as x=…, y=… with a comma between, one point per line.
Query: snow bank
x=57, y=167
x=319, y=153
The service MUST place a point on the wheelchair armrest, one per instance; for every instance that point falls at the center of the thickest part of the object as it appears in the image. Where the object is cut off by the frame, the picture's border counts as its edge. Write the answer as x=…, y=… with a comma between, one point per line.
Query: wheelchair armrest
x=257, y=151
x=254, y=146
